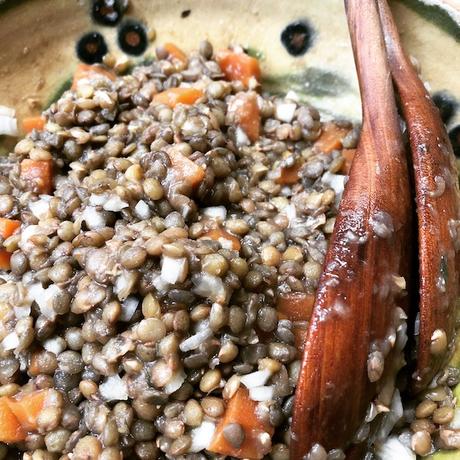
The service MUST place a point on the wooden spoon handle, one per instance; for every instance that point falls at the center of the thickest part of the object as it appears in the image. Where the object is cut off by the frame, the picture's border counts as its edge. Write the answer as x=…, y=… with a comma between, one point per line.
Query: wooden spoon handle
x=349, y=352
x=438, y=209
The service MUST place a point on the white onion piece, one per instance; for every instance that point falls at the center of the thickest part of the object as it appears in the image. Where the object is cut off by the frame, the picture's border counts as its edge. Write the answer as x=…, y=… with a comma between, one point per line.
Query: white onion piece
x=292, y=96
x=256, y=379
x=114, y=389
x=336, y=182
x=7, y=111
x=284, y=111
x=128, y=308
x=41, y=208
x=115, y=204
x=44, y=298
x=393, y=449
x=196, y=340
x=11, y=341
x=291, y=212
x=216, y=212
x=263, y=393
x=202, y=436
x=21, y=312
x=211, y=287
x=8, y=126
x=142, y=210
x=174, y=270
x=175, y=383
x=241, y=137
x=55, y=345
x=94, y=219
x=97, y=200
x=455, y=423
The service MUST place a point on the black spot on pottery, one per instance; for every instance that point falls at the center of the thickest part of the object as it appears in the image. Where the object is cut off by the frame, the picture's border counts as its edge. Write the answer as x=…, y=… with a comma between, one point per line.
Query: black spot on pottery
x=185, y=13
x=108, y=12
x=297, y=37
x=132, y=37
x=91, y=48
x=446, y=104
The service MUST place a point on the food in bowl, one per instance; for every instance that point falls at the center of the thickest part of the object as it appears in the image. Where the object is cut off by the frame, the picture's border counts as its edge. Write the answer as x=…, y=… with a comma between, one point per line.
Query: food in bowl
x=163, y=235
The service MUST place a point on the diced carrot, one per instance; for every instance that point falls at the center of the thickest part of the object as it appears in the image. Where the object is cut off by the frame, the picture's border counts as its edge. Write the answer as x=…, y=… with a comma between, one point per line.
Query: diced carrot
x=289, y=176
x=217, y=234
x=31, y=123
x=330, y=138
x=295, y=306
x=5, y=257
x=89, y=71
x=185, y=170
x=175, y=52
x=8, y=227
x=37, y=175
x=27, y=407
x=238, y=66
x=242, y=410
x=246, y=114
x=348, y=154
x=10, y=428
x=174, y=96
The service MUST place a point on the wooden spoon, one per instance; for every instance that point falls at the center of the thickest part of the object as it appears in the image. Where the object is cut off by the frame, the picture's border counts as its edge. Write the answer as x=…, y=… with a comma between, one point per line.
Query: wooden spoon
x=438, y=209
x=351, y=333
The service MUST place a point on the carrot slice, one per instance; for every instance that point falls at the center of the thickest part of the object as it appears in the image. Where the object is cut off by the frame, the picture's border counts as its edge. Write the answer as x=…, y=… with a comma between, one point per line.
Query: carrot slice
x=185, y=170
x=5, y=257
x=90, y=71
x=31, y=123
x=10, y=428
x=330, y=138
x=218, y=234
x=289, y=176
x=246, y=114
x=37, y=175
x=238, y=66
x=297, y=307
x=348, y=154
x=175, y=52
x=8, y=227
x=174, y=96
x=242, y=410
x=27, y=407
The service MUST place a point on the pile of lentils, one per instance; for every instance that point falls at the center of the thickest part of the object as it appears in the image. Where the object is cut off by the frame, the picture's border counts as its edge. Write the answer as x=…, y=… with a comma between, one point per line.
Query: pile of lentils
x=140, y=325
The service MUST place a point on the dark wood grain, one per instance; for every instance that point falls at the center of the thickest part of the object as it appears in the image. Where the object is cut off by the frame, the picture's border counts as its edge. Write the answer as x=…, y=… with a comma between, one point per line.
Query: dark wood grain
x=357, y=298
x=438, y=208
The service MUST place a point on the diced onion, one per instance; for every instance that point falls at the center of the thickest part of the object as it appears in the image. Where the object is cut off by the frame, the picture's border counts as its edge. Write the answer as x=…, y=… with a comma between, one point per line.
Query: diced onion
x=128, y=308
x=263, y=393
x=175, y=383
x=174, y=270
x=115, y=204
x=8, y=126
x=256, y=379
x=455, y=423
x=211, y=287
x=393, y=449
x=94, y=219
x=7, y=111
x=55, y=345
x=44, y=298
x=114, y=389
x=216, y=212
x=41, y=208
x=202, y=436
x=241, y=137
x=142, y=210
x=11, y=341
x=284, y=111
x=196, y=340
x=336, y=182
x=97, y=200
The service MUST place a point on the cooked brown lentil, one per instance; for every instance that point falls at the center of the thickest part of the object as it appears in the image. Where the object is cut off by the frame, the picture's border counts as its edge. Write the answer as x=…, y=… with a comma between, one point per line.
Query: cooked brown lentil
x=121, y=300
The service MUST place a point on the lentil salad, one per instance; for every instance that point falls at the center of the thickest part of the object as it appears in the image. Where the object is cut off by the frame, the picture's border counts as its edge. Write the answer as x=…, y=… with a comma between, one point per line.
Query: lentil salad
x=163, y=237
